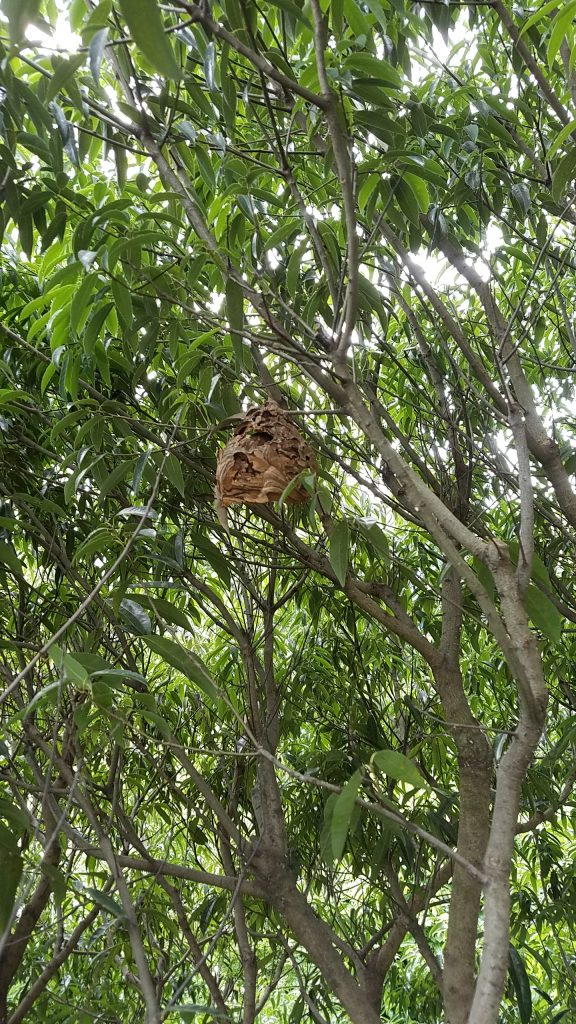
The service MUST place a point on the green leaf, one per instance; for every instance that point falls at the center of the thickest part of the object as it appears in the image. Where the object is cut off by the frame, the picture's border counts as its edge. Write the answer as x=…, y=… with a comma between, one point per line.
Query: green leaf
x=305, y=477
x=38, y=698
x=375, y=7
x=71, y=671
x=521, y=195
x=135, y=617
x=65, y=71
x=521, y=984
x=14, y=815
x=326, y=850
x=292, y=8
x=106, y=902
x=290, y=227
x=209, y=66
x=96, y=51
x=398, y=767
x=542, y=11
x=188, y=1011
x=338, y=551
x=159, y=723
x=167, y=611
x=185, y=661
x=342, y=814
x=377, y=538
x=420, y=190
x=407, y=201
x=123, y=300
x=561, y=137
x=19, y=13
x=563, y=174
x=9, y=557
x=100, y=540
x=560, y=25
x=79, y=307
x=8, y=841
x=121, y=160
x=147, y=30
x=539, y=571
x=484, y=576
x=543, y=614
x=102, y=694
x=173, y=470
x=118, y=473
x=58, y=880
x=370, y=67
x=9, y=396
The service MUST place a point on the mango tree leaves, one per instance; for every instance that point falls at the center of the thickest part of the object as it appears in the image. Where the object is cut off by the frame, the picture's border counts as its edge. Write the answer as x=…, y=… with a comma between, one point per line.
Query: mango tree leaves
x=339, y=551
x=185, y=661
x=342, y=813
x=147, y=30
x=398, y=766
x=521, y=984
x=176, y=248
x=543, y=613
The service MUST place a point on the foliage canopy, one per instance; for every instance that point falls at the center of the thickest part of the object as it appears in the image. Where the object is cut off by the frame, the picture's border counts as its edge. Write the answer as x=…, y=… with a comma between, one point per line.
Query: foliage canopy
x=318, y=767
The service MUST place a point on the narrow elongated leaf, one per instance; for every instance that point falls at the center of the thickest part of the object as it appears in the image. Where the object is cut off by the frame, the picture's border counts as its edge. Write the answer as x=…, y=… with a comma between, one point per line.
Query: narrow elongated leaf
x=564, y=174
x=9, y=557
x=71, y=670
x=147, y=30
x=79, y=307
x=543, y=614
x=521, y=194
x=123, y=301
x=19, y=13
x=100, y=540
x=521, y=984
x=37, y=699
x=380, y=70
x=542, y=11
x=399, y=767
x=96, y=52
x=561, y=137
x=15, y=816
x=342, y=814
x=135, y=616
x=106, y=902
x=560, y=27
x=326, y=833
x=209, y=66
x=185, y=661
x=166, y=610
x=339, y=545
x=64, y=72
x=173, y=470
x=377, y=538
x=420, y=190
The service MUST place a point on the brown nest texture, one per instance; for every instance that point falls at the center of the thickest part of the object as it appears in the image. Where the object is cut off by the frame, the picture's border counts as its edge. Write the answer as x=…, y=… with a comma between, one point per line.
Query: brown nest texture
x=259, y=461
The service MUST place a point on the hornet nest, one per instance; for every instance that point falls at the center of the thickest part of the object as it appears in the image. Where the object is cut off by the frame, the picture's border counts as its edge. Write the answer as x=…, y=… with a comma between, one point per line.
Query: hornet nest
x=259, y=461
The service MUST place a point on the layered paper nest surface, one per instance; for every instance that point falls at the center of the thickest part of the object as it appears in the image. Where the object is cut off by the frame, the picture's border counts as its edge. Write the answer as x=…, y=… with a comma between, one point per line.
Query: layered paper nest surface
x=259, y=461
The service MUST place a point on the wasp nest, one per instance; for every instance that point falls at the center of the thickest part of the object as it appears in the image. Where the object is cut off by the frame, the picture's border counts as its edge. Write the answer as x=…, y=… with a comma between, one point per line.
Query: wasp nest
x=259, y=461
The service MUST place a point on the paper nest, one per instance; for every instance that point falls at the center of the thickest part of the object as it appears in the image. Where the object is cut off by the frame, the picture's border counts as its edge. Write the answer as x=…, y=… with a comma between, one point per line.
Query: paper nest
x=259, y=461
